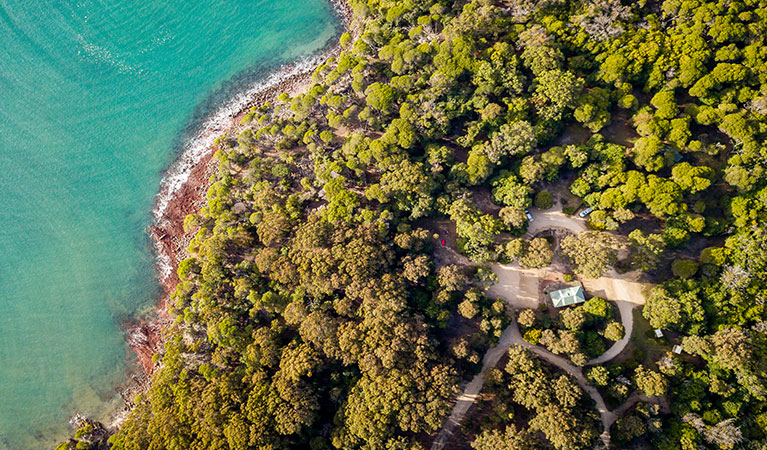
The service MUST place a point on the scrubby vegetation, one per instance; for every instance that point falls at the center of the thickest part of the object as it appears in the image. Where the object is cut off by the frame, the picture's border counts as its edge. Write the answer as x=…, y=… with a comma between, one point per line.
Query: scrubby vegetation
x=556, y=409
x=313, y=313
x=579, y=332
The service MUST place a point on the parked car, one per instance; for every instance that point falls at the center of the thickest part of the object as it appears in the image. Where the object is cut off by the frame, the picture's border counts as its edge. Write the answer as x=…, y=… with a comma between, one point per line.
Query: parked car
x=586, y=212
x=529, y=216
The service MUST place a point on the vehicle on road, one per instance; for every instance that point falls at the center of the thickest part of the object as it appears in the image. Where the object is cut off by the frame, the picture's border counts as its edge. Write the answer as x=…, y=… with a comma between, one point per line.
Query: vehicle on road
x=586, y=212
x=529, y=216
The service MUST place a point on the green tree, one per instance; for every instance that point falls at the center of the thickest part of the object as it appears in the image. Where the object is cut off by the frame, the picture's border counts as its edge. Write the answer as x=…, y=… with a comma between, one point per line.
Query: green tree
x=647, y=153
x=614, y=331
x=648, y=249
x=591, y=252
x=508, y=439
x=543, y=200
x=592, y=110
x=684, y=268
x=508, y=191
x=516, y=138
x=479, y=165
x=598, y=376
x=599, y=308
x=692, y=179
x=380, y=96
x=650, y=382
x=526, y=318
x=573, y=318
x=537, y=254
x=555, y=91
x=666, y=105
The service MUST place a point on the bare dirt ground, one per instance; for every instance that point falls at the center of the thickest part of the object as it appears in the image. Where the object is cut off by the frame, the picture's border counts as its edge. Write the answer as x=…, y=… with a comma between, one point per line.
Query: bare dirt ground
x=627, y=293
x=552, y=219
x=518, y=286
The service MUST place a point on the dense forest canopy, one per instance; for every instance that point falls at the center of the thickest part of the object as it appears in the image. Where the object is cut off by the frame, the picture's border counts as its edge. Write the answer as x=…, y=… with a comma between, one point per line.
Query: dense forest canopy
x=313, y=313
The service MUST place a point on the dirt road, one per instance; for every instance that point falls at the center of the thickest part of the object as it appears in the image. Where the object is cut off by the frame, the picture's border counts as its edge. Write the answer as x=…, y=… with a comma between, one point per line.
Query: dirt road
x=519, y=288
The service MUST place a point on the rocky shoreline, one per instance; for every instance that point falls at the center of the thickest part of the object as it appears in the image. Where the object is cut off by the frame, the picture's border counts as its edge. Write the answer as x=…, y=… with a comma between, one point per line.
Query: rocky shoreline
x=145, y=335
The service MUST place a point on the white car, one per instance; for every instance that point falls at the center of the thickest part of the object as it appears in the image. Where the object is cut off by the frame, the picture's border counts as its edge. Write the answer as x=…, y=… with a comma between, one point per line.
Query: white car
x=586, y=212
x=529, y=216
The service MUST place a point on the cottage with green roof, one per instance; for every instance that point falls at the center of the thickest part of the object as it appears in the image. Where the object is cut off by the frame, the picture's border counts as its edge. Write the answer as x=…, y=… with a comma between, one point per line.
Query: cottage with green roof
x=568, y=296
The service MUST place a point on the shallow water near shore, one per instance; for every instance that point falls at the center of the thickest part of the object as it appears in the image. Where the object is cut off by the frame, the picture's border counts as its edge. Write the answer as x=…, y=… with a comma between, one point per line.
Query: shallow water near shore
x=97, y=99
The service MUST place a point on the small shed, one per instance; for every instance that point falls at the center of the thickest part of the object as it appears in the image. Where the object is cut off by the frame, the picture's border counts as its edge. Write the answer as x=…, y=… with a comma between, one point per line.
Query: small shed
x=568, y=296
x=658, y=333
x=677, y=349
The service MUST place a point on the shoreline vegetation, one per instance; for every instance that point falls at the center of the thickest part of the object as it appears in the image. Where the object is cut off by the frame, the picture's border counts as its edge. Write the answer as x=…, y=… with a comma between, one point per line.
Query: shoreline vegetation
x=342, y=283
x=182, y=192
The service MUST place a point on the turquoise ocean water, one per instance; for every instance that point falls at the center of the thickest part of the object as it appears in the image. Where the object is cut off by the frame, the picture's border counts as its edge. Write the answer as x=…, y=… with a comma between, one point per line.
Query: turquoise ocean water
x=96, y=100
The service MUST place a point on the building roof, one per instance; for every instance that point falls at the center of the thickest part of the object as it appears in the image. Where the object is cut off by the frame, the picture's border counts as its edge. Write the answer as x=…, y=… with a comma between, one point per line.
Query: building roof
x=658, y=333
x=568, y=296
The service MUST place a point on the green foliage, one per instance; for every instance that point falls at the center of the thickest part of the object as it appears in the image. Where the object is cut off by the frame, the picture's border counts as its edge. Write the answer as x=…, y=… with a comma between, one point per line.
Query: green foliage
x=526, y=318
x=648, y=249
x=666, y=105
x=543, y=200
x=532, y=336
x=536, y=253
x=591, y=252
x=555, y=92
x=312, y=311
x=509, y=439
x=508, y=191
x=650, y=382
x=555, y=402
x=614, y=331
x=598, y=376
x=628, y=427
x=684, y=268
x=477, y=228
x=598, y=307
x=674, y=305
x=592, y=110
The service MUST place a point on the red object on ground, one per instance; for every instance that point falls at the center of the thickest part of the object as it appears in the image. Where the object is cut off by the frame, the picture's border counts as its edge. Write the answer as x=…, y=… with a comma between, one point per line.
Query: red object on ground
x=443, y=242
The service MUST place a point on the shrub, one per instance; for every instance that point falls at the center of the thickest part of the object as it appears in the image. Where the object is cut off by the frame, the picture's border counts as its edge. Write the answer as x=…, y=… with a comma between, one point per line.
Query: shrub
x=593, y=344
x=468, y=309
x=618, y=391
x=675, y=237
x=598, y=307
x=684, y=268
x=526, y=318
x=598, y=376
x=573, y=318
x=650, y=382
x=713, y=255
x=543, y=200
x=533, y=336
x=627, y=428
x=579, y=359
x=628, y=102
x=186, y=267
x=614, y=331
